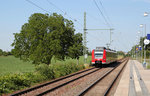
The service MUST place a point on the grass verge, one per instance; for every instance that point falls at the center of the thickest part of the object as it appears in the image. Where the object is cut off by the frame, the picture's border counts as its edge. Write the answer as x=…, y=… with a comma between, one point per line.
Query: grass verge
x=26, y=78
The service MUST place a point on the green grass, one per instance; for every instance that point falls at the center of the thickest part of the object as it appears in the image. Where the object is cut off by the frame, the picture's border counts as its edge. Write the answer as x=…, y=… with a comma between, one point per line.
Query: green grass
x=10, y=64
x=148, y=67
x=81, y=60
x=120, y=56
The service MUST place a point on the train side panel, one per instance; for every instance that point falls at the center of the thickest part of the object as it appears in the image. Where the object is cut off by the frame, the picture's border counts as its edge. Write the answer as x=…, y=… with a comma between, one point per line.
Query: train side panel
x=104, y=57
x=93, y=57
x=110, y=57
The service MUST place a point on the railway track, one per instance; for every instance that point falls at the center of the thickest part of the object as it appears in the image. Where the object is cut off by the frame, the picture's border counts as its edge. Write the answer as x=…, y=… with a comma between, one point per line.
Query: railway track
x=79, y=83
x=105, y=82
x=60, y=82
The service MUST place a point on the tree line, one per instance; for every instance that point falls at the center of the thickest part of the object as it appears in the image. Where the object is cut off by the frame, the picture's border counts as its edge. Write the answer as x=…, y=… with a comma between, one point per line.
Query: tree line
x=45, y=37
x=136, y=51
x=4, y=53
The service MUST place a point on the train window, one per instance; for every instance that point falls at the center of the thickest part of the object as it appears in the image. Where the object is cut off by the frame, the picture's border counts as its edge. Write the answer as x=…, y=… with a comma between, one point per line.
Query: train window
x=98, y=55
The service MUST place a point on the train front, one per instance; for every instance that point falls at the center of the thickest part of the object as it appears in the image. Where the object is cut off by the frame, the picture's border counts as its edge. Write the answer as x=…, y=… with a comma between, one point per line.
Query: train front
x=98, y=56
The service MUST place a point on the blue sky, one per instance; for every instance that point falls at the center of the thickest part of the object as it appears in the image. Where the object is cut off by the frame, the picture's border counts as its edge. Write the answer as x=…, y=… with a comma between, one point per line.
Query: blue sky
x=125, y=16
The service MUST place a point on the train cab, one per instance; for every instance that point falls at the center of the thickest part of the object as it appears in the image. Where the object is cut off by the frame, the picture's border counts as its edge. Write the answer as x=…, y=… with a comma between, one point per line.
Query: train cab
x=101, y=56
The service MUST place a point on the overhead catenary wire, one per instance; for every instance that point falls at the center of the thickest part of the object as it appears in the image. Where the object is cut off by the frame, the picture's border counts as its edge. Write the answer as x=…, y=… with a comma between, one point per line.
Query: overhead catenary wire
x=96, y=19
x=51, y=12
x=118, y=39
x=65, y=13
x=97, y=36
x=102, y=14
x=90, y=36
x=56, y=7
x=105, y=13
x=38, y=6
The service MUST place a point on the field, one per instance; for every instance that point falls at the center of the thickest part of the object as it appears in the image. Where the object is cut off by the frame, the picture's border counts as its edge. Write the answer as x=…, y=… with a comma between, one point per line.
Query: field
x=10, y=64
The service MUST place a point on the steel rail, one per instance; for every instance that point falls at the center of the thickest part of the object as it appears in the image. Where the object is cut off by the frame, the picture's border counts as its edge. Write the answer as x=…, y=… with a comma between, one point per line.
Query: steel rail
x=61, y=85
x=109, y=88
x=45, y=84
x=94, y=83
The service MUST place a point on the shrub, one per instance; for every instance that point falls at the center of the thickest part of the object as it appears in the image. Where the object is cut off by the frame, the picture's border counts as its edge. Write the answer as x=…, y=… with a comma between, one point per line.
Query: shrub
x=45, y=71
x=58, y=70
x=13, y=82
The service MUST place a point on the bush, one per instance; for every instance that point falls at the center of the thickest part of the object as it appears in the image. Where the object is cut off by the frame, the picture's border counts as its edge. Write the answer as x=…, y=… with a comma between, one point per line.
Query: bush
x=58, y=70
x=13, y=82
x=45, y=71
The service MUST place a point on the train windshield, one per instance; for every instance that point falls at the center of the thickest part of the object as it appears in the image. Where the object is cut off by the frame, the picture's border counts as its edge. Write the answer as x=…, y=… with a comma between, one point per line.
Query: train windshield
x=98, y=55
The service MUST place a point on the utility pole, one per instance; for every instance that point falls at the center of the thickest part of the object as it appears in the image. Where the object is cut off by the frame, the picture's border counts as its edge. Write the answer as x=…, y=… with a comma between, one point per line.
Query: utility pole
x=145, y=49
x=84, y=39
x=110, y=37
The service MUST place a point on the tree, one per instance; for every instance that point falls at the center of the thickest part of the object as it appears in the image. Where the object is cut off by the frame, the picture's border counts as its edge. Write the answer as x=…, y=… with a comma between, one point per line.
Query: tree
x=121, y=53
x=62, y=35
x=5, y=53
x=1, y=52
x=43, y=37
x=77, y=49
x=27, y=43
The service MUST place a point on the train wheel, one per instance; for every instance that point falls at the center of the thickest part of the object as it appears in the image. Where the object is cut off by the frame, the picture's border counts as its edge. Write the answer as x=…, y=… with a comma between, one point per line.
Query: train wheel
x=104, y=65
x=96, y=65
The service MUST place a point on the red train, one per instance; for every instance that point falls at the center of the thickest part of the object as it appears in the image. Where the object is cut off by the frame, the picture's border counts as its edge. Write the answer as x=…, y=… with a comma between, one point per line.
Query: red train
x=101, y=56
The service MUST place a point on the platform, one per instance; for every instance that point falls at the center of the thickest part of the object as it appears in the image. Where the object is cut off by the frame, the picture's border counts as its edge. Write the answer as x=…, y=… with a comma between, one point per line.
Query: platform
x=135, y=80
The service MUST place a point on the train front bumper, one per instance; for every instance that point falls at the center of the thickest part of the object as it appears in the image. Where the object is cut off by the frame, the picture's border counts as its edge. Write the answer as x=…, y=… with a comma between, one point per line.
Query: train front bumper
x=98, y=62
